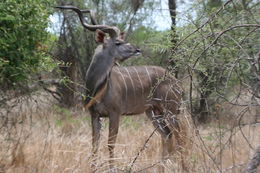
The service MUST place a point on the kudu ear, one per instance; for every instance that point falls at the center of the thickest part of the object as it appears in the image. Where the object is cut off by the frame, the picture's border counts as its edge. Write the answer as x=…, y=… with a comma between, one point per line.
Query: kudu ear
x=100, y=36
x=122, y=35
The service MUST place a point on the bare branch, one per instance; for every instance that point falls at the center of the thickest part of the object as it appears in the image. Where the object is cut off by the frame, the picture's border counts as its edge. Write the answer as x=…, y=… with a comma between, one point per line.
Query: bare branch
x=205, y=23
x=220, y=34
x=142, y=149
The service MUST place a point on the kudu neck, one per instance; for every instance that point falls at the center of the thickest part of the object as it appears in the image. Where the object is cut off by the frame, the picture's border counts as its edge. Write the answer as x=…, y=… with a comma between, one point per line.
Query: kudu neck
x=103, y=59
x=99, y=70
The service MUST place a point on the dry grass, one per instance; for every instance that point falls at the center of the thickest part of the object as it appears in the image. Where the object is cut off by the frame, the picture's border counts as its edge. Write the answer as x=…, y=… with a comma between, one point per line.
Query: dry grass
x=57, y=140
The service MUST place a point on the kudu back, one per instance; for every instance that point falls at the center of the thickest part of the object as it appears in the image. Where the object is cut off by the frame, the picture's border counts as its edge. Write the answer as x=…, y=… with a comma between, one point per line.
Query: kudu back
x=112, y=90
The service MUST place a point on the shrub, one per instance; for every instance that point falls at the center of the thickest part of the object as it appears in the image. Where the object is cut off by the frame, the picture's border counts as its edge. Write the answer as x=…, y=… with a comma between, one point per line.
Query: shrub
x=22, y=40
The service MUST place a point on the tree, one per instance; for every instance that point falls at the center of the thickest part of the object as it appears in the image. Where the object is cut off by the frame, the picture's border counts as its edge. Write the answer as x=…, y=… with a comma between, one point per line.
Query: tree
x=75, y=47
x=220, y=53
x=22, y=41
x=208, y=76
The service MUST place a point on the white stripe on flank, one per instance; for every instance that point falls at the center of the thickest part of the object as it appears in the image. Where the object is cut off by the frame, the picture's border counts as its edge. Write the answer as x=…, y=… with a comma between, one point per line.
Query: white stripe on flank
x=124, y=84
x=139, y=80
x=132, y=82
x=148, y=75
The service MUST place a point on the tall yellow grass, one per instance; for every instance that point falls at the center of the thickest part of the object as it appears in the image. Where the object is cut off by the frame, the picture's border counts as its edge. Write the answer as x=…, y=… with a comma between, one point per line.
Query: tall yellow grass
x=54, y=140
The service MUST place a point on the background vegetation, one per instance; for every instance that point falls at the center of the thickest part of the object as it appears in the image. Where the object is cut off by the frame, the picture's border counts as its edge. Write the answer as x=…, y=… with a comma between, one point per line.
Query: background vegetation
x=23, y=39
x=212, y=47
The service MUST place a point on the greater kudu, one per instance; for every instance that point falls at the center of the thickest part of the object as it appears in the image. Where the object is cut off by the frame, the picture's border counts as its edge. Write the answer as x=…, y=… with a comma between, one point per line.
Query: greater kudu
x=113, y=90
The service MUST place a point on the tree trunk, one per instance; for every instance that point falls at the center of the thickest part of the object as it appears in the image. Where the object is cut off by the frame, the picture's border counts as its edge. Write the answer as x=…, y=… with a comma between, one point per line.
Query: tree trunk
x=203, y=111
x=172, y=9
x=206, y=87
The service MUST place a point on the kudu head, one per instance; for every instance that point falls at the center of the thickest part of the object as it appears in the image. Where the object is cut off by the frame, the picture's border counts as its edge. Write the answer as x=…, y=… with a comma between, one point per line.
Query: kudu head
x=114, y=45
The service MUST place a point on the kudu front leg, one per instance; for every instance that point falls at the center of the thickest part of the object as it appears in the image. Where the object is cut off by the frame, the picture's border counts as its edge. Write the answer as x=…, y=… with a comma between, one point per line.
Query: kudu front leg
x=113, y=131
x=96, y=126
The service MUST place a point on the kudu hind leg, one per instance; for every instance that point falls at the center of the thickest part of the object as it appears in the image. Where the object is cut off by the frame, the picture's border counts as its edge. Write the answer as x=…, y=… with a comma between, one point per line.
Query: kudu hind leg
x=180, y=134
x=158, y=120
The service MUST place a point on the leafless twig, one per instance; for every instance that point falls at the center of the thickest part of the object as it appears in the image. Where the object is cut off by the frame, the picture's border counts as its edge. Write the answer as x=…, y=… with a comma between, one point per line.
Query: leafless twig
x=142, y=149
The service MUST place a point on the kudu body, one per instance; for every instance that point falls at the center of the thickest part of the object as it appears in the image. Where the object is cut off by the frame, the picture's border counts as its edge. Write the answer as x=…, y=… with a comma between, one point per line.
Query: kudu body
x=113, y=91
